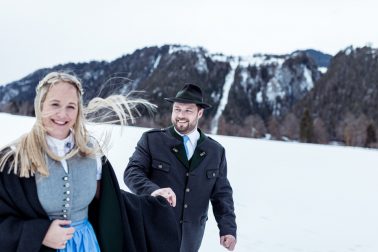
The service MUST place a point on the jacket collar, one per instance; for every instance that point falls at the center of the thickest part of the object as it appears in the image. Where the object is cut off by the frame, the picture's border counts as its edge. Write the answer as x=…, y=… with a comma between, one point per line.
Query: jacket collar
x=179, y=150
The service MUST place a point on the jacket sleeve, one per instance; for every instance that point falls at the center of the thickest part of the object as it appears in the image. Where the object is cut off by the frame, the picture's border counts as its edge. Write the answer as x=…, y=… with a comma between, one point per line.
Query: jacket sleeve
x=222, y=201
x=136, y=175
x=21, y=229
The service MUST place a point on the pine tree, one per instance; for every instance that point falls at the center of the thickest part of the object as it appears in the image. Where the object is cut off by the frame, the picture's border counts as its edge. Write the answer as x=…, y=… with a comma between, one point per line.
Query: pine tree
x=306, y=128
x=371, y=136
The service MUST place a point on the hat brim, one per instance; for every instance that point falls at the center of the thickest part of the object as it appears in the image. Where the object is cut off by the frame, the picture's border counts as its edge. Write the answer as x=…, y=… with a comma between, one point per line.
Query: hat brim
x=201, y=104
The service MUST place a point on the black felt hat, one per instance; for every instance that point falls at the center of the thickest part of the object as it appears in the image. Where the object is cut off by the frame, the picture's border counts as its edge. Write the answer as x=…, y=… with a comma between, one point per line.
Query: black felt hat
x=190, y=93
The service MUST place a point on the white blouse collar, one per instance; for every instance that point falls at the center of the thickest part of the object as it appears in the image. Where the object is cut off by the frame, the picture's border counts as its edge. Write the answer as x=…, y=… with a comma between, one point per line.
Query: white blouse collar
x=60, y=147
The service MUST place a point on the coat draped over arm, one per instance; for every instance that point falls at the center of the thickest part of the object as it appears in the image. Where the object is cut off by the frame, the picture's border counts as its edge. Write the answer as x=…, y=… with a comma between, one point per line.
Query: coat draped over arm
x=122, y=221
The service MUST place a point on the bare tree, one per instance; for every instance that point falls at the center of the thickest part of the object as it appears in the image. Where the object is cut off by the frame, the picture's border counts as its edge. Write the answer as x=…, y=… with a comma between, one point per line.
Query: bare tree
x=371, y=136
x=254, y=126
x=320, y=131
x=290, y=127
x=306, y=128
x=354, y=129
x=274, y=127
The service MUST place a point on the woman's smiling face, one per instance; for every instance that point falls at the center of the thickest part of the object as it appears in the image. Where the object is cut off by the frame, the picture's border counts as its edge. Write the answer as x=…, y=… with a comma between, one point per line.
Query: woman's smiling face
x=60, y=109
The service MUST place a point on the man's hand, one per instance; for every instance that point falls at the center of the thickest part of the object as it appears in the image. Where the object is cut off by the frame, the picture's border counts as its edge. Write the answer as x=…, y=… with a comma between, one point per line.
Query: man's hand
x=228, y=241
x=167, y=193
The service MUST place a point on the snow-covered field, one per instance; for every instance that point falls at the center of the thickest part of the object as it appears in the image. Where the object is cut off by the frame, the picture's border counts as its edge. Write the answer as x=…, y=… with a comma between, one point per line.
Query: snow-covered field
x=289, y=197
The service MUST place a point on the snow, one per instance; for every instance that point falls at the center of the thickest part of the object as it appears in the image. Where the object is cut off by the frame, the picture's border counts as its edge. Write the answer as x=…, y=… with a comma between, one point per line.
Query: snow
x=201, y=64
x=289, y=197
x=215, y=96
x=323, y=70
x=219, y=57
x=307, y=84
x=24, y=82
x=87, y=75
x=184, y=48
x=249, y=60
x=348, y=50
x=259, y=97
x=244, y=78
x=226, y=89
x=244, y=61
x=261, y=59
x=274, y=89
x=10, y=94
x=156, y=63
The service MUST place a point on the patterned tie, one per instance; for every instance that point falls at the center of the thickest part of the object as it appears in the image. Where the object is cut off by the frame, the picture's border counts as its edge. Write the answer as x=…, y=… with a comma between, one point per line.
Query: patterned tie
x=186, y=139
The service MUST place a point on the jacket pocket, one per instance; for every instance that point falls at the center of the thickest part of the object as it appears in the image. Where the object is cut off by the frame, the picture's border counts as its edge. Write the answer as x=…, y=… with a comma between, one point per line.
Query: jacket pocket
x=160, y=165
x=212, y=174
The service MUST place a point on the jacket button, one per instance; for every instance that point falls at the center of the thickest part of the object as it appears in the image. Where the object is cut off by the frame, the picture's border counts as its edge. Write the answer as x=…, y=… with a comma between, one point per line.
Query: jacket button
x=181, y=221
x=186, y=206
x=213, y=174
x=160, y=166
x=187, y=174
x=187, y=190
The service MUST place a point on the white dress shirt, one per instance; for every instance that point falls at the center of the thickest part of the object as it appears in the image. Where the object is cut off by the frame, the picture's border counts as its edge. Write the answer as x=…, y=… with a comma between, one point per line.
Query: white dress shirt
x=192, y=143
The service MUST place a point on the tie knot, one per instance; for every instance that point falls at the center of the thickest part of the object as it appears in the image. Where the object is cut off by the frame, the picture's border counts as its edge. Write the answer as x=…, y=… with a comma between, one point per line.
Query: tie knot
x=186, y=138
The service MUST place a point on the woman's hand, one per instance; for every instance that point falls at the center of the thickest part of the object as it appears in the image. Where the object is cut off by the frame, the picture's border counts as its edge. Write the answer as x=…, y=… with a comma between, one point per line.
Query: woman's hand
x=57, y=235
x=167, y=193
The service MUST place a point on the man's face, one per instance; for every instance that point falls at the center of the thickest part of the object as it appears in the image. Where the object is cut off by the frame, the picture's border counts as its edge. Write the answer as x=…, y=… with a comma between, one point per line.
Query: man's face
x=185, y=116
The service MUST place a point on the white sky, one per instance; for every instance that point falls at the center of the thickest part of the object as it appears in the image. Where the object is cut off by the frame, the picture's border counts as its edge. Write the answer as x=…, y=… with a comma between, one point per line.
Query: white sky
x=43, y=33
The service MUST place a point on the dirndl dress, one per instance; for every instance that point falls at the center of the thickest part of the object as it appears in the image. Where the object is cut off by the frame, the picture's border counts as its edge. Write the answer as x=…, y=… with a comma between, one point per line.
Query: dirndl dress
x=83, y=240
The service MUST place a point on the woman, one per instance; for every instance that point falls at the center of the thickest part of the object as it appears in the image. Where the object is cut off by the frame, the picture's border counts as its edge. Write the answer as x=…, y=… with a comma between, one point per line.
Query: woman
x=58, y=192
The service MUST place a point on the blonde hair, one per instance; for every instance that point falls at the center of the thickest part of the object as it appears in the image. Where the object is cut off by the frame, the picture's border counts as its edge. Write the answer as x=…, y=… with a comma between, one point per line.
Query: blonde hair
x=26, y=155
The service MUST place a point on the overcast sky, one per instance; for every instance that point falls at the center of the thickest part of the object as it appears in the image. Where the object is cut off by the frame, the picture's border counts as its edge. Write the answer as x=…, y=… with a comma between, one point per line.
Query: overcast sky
x=44, y=33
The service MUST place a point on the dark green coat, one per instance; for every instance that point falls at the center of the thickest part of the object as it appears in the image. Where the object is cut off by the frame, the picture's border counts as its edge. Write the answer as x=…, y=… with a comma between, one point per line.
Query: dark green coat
x=160, y=161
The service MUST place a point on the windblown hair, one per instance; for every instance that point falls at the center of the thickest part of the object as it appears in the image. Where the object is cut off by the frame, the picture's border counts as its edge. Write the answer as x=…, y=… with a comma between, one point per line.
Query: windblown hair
x=26, y=155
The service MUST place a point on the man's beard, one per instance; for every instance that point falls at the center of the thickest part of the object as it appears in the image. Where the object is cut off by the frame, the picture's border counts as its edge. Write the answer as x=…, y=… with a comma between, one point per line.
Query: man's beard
x=184, y=128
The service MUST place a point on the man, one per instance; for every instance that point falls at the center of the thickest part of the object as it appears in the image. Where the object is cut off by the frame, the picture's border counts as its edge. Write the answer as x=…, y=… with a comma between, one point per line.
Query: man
x=187, y=168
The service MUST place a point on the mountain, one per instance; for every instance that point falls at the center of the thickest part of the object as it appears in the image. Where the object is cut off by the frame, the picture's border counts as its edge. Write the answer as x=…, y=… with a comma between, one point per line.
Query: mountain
x=346, y=97
x=239, y=88
x=321, y=59
x=267, y=86
x=304, y=96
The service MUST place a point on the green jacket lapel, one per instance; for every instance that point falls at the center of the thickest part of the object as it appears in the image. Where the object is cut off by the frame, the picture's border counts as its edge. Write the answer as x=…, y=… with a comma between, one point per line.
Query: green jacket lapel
x=199, y=154
x=179, y=150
